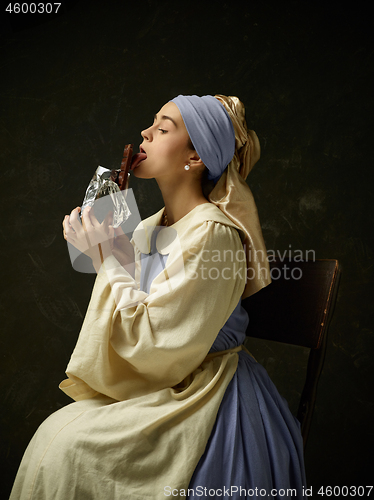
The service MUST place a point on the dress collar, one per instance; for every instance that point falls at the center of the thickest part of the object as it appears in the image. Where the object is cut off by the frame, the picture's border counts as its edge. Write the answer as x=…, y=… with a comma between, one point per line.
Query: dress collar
x=166, y=236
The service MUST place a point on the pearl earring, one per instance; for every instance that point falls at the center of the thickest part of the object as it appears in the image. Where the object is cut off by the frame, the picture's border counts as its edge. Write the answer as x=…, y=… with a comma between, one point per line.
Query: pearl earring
x=187, y=167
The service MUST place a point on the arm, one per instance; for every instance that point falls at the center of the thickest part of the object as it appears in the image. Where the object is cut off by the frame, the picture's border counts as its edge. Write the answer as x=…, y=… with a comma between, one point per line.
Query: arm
x=132, y=343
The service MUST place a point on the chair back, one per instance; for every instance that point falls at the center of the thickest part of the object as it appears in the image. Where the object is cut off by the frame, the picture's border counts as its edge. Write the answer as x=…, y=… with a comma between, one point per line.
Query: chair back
x=296, y=308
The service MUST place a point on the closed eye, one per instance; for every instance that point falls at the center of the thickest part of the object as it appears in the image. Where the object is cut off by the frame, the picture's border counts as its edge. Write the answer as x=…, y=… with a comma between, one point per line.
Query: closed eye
x=162, y=131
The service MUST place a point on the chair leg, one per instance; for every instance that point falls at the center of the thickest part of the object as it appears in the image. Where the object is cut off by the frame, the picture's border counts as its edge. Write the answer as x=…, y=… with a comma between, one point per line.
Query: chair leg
x=308, y=397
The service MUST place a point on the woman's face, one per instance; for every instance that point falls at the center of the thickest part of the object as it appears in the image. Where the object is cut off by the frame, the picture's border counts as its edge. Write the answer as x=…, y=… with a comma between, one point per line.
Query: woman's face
x=166, y=146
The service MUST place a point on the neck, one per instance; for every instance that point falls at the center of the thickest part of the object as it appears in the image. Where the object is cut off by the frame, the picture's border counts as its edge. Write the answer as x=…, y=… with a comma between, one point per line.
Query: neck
x=180, y=198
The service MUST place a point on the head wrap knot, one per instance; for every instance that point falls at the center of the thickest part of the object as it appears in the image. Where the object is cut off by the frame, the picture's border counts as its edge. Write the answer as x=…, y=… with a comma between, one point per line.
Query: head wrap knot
x=247, y=145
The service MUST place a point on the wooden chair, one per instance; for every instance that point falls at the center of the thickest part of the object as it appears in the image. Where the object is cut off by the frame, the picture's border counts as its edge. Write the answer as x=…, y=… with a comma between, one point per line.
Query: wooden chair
x=296, y=308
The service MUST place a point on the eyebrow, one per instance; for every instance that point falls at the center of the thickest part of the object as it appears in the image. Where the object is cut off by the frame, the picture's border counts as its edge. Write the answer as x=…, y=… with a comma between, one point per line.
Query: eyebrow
x=164, y=117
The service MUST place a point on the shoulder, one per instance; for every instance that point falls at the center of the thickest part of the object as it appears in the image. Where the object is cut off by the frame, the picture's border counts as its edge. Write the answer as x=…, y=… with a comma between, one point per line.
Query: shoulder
x=206, y=215
x=207, y=229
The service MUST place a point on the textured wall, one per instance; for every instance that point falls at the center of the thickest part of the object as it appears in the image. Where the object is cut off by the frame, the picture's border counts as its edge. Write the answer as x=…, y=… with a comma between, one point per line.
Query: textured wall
x=75, y=89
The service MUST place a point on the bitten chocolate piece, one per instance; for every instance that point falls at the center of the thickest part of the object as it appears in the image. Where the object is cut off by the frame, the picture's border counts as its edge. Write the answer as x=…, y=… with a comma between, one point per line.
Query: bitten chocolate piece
x=125, y=166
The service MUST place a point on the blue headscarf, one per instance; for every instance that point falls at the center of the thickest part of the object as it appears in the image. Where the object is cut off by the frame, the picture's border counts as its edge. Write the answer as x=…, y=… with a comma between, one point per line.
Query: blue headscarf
x=211, y=130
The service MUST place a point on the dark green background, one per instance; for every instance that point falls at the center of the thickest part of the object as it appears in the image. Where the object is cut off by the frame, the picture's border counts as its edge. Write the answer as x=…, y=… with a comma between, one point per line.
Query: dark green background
x=76, y=87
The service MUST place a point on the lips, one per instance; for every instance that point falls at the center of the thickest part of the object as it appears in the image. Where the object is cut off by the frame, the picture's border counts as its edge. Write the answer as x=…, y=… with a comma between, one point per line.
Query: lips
x=137, y=158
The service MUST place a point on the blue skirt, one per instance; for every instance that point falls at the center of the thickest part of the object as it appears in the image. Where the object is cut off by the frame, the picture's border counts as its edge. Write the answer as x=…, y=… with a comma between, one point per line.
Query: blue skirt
x=255, y=448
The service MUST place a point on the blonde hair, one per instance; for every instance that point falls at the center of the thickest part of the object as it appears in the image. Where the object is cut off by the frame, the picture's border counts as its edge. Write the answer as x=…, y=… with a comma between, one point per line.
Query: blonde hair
x=247, y=145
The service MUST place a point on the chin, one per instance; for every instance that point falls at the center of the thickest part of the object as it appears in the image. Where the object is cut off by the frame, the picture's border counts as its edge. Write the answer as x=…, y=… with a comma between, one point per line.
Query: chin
x=137, y=172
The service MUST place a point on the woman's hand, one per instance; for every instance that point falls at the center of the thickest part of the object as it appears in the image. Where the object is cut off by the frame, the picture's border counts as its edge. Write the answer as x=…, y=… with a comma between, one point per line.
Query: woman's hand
x=98, y=240
x=90, y=237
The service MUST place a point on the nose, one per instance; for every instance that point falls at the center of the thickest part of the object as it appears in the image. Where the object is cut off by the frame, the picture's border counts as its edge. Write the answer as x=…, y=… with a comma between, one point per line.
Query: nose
x=146, y=134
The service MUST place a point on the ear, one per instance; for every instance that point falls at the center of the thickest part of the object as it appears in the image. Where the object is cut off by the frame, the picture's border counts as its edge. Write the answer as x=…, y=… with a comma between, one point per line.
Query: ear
x=195, y=160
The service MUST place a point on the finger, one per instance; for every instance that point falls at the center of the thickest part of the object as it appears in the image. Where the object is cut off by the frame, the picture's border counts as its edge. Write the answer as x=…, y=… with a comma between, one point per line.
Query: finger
x=79, y=241
x=63, y=228
x=108, y=221
x=74, y=220
x=68, y=231
x=90, y=226
x=89, y=219
x=109, y=218
x=66, y=224
x=66, y=220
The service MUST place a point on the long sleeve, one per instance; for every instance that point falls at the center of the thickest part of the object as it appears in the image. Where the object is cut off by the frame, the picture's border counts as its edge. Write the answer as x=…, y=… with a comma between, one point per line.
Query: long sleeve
x=133, y=343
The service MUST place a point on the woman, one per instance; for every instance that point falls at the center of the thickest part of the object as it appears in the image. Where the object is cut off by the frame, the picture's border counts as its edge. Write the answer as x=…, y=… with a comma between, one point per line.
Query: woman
x=168, y=403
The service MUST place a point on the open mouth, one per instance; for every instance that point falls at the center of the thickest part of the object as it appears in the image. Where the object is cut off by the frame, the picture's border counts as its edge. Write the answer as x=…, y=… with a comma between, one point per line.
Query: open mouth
x=138, y=157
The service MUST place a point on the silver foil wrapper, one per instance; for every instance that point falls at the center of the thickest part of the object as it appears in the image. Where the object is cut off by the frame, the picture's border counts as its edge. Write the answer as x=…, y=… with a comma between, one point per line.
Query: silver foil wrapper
x=105, y=196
